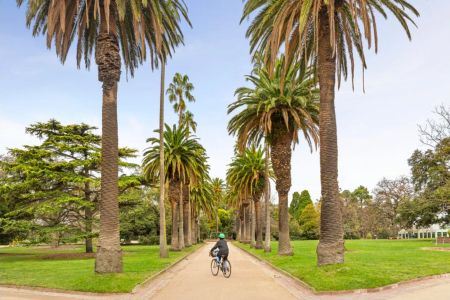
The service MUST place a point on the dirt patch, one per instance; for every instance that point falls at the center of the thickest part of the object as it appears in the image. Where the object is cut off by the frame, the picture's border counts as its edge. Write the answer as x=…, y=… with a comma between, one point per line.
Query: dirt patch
x=443, y=249
x=64, y=256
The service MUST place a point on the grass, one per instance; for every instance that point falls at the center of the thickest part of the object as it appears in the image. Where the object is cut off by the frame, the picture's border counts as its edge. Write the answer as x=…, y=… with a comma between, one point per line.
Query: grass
x=368, y=263
x=40, y=267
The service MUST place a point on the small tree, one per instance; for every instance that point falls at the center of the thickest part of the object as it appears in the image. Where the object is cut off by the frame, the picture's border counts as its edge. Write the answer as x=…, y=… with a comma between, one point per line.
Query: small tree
x=299, y=202
x=309, y=223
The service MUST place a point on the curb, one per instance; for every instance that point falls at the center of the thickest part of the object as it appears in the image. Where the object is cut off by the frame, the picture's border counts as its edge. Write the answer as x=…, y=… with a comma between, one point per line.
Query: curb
x=344, y=292
x=297, y=280
x=59, y=291
x=159, y=273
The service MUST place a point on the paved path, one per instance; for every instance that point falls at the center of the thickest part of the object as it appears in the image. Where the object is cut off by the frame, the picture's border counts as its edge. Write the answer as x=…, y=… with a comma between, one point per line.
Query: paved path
x=250, y=279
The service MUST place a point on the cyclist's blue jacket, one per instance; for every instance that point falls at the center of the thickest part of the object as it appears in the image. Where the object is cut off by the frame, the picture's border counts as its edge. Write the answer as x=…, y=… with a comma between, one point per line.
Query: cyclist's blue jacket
x=223, y=247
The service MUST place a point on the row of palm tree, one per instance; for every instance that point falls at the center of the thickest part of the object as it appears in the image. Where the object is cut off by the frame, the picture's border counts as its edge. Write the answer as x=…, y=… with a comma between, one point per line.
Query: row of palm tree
x=273, y=111
x=323, y=34
x=185, y=165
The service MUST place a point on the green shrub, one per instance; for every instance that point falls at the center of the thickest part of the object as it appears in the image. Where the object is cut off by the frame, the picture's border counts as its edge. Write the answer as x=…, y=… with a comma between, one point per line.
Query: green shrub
x=149, y=240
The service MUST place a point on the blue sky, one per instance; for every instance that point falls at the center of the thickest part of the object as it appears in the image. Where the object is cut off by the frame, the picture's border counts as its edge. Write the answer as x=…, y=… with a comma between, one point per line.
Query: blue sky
x=377, y=130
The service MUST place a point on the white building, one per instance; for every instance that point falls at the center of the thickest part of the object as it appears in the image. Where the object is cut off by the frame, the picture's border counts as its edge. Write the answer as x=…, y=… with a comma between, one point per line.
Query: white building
x=431, y=232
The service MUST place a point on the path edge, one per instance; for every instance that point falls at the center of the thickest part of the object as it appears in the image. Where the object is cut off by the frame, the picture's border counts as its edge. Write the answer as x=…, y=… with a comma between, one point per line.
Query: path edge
x=343, y=292
x=147, y=281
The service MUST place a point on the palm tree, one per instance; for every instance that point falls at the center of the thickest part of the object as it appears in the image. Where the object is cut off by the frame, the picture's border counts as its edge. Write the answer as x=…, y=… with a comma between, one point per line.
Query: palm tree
x=179, y=91
x=163, y=252
x=189, y=122
x=246, y=174
x=108, y=27
x=217, y=186
x=201, y=195
x=163, y=54
x=184, y=161
x=327, y=33
x=278, y=107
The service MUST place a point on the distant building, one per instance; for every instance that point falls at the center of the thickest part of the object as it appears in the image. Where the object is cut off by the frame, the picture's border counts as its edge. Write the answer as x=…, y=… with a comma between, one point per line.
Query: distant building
x=434, y=231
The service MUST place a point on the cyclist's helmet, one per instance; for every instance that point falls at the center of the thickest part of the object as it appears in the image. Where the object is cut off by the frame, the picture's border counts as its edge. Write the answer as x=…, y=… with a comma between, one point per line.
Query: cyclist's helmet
x=221, y=236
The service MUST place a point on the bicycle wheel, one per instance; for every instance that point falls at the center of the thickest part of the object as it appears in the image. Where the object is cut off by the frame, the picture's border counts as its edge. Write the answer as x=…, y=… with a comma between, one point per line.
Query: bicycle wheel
x=214, y=267
x=226, y=269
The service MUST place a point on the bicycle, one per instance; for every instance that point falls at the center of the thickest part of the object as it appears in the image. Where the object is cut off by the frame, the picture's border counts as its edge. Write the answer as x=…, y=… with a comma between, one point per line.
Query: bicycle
x=217, y=263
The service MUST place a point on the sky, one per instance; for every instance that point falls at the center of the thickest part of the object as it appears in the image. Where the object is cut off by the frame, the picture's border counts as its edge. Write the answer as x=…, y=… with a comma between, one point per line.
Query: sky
x=377, y=129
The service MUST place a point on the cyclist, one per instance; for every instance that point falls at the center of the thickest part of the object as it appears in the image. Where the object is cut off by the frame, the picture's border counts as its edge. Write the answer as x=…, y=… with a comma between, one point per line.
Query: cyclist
x=222, y=246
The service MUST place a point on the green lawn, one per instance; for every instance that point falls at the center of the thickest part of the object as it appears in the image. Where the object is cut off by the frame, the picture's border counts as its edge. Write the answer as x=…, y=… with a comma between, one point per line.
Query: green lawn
x=368, y=263
x=44, y=267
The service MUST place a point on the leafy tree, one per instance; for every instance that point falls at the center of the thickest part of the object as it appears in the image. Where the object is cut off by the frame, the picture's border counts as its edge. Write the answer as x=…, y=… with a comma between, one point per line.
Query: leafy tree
x=328, y=34
x=139, y=216
x=431, y=178
x=226, y=221
x=56, y=184
x=277, y=108
x=309, y=223
x=136, y=28
x=299, y=202
x=390, y=196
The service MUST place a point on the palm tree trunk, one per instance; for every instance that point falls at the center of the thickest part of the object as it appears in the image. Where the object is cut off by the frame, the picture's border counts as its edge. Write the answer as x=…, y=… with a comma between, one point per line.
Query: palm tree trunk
x=331, y=243
x=107, y=56
x=180, y=220
x=217, y=221
x=199, y=233
x=88, y=215
x=163, y=253
x=186, y=216
x=173, y=192
x=281, y=159
x=238, y=226
x=193, y=224
x=253, y=224
x=248, y=238
x=241, y=223
x=267, y=246
x=258, y=221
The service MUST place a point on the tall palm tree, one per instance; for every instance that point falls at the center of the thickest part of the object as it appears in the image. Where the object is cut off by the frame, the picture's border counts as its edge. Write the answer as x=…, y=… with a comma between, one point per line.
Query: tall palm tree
x=188, y=121
x=327, y=33
x=184, y=160
x=163, y=251
x=277, y=107
x=164, y=53
x=180, y=90
x=246, y=174
x=137, y=28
